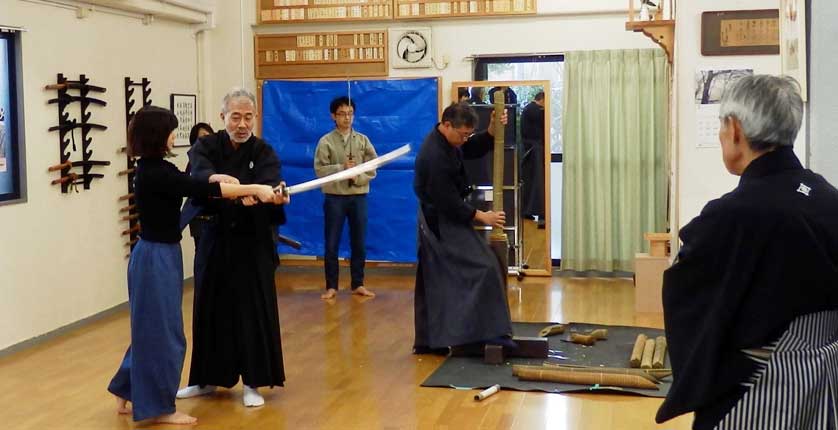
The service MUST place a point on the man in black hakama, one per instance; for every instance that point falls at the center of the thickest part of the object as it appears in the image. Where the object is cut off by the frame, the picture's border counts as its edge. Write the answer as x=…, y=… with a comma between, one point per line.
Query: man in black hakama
x=751, y=304
x=235, y=317
x=460, y=297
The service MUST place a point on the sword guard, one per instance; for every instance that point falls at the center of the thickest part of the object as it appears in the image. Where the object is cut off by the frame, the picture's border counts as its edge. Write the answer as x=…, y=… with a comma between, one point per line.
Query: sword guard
x=282, y=190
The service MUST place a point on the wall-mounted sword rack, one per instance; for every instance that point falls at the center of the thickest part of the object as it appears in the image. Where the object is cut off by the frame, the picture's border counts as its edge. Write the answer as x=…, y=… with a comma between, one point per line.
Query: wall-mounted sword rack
x=129, y=212
x=66, y=128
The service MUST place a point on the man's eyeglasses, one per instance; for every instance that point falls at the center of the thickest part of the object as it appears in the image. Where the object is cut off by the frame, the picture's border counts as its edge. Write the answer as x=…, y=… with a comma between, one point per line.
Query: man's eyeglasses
x=464, y=134
x=345, y=114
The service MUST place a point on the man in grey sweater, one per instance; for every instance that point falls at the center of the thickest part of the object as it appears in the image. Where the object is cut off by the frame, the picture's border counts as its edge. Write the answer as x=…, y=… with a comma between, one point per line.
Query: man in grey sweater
x=341, y=149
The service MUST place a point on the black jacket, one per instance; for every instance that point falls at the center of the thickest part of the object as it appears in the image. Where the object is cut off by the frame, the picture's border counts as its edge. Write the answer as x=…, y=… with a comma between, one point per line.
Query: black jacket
x=751, y=262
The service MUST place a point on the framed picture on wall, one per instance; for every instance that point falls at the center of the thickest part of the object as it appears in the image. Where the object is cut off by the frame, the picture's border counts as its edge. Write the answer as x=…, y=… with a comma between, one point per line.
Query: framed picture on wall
x=740, y=32
x=185, y=109
x=793, y=41
x=12, y=160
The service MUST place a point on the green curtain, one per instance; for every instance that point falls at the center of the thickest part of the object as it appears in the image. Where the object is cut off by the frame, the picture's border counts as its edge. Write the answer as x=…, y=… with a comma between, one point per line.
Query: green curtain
x=615, y=156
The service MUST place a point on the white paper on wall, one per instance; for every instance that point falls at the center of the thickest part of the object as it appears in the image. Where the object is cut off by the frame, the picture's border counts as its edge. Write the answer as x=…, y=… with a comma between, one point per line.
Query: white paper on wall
x=709, y=88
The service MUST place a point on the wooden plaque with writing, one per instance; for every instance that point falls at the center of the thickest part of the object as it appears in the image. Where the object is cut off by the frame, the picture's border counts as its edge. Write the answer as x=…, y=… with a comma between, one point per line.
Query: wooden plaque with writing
x=740, y=32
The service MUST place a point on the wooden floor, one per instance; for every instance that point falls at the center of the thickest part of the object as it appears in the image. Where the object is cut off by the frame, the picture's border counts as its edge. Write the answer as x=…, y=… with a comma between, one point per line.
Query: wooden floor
x=534, y=251
x=348, y=366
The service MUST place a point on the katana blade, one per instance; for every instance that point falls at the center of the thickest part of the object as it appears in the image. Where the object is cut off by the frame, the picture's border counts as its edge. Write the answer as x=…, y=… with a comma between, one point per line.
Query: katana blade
x=345, y=174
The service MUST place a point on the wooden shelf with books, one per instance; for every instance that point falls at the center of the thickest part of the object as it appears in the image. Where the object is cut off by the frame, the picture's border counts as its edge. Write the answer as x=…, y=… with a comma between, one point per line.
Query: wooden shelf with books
x=304, y=11
x=321, y=55
x=423, y=9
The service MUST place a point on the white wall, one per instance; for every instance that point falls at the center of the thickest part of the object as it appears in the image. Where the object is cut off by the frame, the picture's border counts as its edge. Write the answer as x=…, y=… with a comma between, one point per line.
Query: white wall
x=823, y=90
x=562, y=25
x=701, y=175
x=62, y=258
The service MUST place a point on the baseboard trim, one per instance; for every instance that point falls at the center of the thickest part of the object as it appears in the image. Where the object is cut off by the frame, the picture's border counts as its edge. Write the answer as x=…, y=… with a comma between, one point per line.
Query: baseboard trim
x=60, y=331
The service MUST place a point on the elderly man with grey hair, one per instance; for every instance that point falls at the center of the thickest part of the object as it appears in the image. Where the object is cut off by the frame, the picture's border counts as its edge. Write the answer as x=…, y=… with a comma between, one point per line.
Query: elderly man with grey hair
x=235, y=324
x=751, y=303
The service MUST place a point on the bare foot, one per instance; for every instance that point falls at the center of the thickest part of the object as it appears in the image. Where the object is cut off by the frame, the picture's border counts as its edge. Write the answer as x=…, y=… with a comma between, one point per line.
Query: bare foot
x=329, y=294
x=361, y=291
x=122, y=406
x=176, y=418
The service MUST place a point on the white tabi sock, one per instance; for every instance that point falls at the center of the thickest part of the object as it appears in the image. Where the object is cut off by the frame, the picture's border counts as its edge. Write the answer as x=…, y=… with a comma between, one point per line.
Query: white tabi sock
x=252, y=398
x=195, y=391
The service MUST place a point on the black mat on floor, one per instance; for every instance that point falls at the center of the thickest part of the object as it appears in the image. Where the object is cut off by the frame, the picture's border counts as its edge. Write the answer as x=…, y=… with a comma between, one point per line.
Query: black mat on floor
x=471, y=372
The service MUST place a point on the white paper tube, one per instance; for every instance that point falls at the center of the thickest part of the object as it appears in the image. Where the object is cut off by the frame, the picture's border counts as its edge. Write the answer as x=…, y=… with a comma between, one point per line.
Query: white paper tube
x=487, y=392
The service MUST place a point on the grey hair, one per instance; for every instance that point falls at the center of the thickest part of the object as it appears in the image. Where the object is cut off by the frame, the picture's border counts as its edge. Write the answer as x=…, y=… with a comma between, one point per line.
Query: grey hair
x=768, y=107
x=236, y=93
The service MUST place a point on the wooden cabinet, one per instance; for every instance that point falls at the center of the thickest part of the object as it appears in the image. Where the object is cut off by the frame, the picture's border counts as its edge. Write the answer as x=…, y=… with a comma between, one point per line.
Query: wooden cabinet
x=290, y=11
x=321, y=55
x=423, y=9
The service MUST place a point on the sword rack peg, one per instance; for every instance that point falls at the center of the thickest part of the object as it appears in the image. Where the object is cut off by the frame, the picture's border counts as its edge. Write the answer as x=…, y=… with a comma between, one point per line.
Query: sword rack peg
x=130, y=231
x=70, y=177
x=59, y=166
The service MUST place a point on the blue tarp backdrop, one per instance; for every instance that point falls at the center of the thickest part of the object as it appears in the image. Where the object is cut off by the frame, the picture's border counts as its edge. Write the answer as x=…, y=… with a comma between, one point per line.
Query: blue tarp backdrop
x=391, y=113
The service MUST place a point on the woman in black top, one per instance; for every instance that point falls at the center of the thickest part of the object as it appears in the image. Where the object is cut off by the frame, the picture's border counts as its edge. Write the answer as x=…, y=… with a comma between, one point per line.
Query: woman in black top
x=150, y=372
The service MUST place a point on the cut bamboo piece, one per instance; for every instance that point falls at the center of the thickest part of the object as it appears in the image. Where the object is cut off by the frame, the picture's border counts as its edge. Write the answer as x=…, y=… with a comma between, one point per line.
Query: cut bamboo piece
x=660, y=353
x=648, y=353
x=582, y=339
x=599, y=334
x=614, y=370
x=582, y=377
x=659, y=373
x=637, y=352
x=551, y=330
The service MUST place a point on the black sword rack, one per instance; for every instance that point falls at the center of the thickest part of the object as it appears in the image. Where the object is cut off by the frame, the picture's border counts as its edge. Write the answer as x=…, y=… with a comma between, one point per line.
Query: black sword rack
x=129, y=211
x=76, y=93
